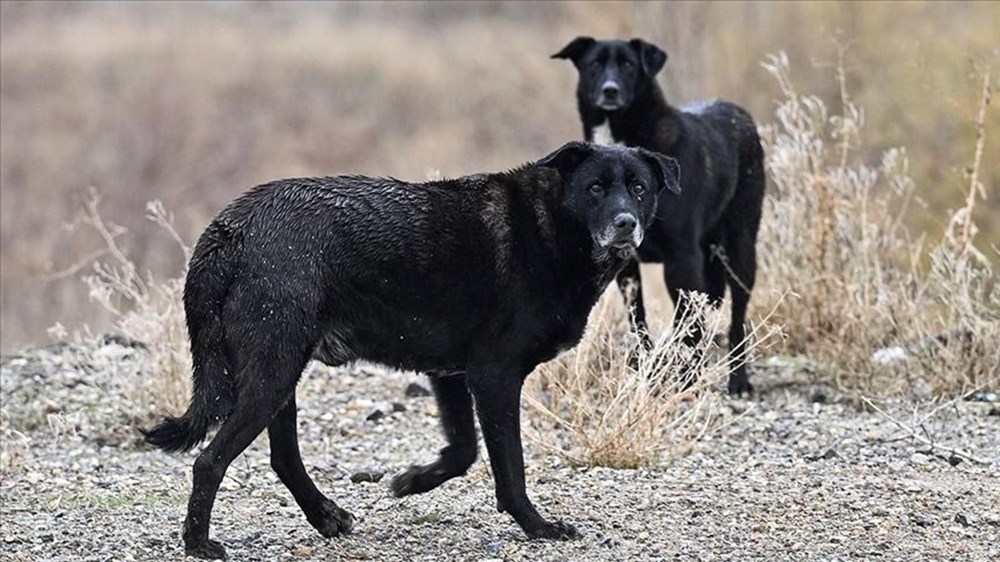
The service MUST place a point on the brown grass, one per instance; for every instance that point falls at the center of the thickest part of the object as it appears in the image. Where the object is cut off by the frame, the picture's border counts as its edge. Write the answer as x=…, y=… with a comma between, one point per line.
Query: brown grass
x=609, y=403
x=146, y=310
x=114, y=98
x=192, y=103
x=834, y=239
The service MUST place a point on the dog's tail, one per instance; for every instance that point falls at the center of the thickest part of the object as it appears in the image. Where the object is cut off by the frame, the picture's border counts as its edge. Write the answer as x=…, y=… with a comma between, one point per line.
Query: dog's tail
x=205, y=290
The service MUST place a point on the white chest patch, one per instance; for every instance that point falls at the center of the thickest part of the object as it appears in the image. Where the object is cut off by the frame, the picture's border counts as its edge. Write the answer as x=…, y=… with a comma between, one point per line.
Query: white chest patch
x=601, y=135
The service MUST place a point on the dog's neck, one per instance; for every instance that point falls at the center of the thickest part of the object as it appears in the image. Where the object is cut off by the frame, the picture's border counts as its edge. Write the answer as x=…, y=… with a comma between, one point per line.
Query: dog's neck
x=649, y=121
x=549, y=230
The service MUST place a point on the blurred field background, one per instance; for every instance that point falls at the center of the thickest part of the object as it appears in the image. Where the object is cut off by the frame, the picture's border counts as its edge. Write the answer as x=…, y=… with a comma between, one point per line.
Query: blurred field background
x=193, y=103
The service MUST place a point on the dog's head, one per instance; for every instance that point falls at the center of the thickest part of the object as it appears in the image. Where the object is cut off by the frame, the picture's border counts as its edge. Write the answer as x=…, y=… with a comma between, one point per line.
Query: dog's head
x=613, y=190
x=613, y=73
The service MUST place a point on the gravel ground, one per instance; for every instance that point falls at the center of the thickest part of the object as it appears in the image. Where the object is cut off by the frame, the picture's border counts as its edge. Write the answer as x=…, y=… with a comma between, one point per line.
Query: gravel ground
x=800, y=475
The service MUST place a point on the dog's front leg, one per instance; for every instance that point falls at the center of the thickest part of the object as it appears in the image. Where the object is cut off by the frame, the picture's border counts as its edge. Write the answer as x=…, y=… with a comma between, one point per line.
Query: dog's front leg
x=497, y=394
x=630, y=285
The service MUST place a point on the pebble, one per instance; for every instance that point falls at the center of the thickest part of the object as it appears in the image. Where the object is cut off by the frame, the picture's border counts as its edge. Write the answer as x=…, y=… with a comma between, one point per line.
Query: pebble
x=745, y=491
x=414, y=390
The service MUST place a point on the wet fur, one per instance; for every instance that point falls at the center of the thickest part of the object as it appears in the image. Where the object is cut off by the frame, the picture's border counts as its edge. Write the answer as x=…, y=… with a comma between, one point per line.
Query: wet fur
x=707, y=237
x=475, y=280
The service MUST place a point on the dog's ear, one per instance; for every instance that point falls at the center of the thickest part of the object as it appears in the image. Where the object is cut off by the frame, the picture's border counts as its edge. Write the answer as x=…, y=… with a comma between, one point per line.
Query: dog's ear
x=567, y=157
x=666, y=168
x=652, y=57
x=575, y=49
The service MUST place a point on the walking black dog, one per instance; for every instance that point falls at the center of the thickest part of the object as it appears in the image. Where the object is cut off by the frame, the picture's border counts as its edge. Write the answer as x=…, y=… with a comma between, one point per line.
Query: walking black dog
x=709, y=238
x=477, y=280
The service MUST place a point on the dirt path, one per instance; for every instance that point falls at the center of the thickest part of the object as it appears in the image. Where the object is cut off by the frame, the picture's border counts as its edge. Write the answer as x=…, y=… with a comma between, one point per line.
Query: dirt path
x=789, y=480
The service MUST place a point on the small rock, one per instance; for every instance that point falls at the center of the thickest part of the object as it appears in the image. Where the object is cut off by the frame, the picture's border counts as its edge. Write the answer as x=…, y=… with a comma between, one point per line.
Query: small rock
x=375, y=416
x=398, y=407
x=993, y=412
x=414, y=390
x=122, y=340
x=818, y=397
x=922, y=521
x=961, y=519
x=493, y=547
x=366, y=476
x=828, y=454
x=954, y=460
x=50, y=406
x=304, y=551
x=983, y=396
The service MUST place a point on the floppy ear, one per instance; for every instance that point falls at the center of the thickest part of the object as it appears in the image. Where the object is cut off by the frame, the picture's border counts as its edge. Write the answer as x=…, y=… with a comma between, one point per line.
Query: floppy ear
x=567, y=157
x=575, y=49
x=652, y=57
x=666, y=168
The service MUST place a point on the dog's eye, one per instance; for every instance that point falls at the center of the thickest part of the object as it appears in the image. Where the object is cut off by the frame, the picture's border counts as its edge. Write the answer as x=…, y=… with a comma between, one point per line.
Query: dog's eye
x=638, y=189
x=596, y=189
x=627, y=65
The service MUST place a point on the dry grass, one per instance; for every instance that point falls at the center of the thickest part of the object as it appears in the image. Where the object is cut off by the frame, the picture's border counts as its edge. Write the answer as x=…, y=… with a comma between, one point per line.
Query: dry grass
x=834, y=239
x=146, y=310
x=14, y=446
x=840, y=275
x=190, y=103
x=251, y=95
x=609, y=403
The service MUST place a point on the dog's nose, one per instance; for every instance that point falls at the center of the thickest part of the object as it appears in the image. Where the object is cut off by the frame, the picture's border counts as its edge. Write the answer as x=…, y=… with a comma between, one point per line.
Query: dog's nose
x=625, y=224
x=610, y=90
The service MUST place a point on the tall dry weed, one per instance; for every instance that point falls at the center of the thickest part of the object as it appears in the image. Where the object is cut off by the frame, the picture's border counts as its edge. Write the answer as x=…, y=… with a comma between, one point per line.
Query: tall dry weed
x=145, y=309
x=876, y=308
x=607, y=402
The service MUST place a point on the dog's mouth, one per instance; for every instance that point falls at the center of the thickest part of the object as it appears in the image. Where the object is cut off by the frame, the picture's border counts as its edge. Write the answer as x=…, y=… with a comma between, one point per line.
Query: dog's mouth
x=620, y=244
x=610, y=96
x=609, y=104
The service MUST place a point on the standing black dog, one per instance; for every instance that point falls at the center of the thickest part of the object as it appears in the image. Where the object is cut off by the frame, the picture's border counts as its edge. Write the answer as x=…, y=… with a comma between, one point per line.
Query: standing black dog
x=709, y=237
x=477, y=279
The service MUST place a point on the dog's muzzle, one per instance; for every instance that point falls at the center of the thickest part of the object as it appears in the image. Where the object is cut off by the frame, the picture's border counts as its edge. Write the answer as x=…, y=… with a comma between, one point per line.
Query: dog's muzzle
x=610, y=96
x=624, y=233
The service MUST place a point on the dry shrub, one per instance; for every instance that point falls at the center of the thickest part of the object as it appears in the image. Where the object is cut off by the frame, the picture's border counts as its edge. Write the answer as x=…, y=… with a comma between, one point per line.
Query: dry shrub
x=146, y=310
x=876, y=309
x=191, y=103
x=14, y=446
x=608, y=403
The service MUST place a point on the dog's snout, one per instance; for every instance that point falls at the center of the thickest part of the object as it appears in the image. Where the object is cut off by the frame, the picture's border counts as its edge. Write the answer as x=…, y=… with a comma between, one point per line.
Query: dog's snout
x=625, y=223
x=610, y=90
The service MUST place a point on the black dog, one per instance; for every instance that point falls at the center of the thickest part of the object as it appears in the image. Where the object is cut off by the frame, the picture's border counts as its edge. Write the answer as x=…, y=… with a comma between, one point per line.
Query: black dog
x=709, y=237
x=477, y=279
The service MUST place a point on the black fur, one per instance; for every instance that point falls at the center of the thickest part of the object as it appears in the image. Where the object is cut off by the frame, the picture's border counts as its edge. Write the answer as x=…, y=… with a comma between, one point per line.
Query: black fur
x=706, y=238
x=476, y=280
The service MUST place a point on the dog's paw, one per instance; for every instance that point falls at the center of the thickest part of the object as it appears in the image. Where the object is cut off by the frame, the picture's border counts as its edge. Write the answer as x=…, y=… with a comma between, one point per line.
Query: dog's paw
x=554, y=530
x=740, y=385
x=407, y=482
x=332, y=521
x=417, y=480
x=206, y=550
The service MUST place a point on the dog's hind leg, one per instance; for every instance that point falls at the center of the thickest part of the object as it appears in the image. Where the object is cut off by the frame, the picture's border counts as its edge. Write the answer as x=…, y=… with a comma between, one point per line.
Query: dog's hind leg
x=630, y=284
x=740, y=244
x=458, y=423
x=743, y=261
x=255, y=407
x=321, y=512
x=715, y=272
